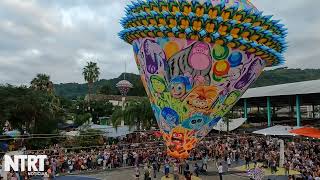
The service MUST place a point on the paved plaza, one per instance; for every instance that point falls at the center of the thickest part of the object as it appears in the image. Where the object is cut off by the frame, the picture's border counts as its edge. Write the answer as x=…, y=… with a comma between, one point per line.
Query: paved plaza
x=128, y=173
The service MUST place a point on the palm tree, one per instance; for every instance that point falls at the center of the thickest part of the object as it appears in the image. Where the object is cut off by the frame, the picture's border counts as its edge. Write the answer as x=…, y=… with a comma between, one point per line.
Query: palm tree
x=42, y=82
x=136, y=113
x=227, y=119
x=91, y=74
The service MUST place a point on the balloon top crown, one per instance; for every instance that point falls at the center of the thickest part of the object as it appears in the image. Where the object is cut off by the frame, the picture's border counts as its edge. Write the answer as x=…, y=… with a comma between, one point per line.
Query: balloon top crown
x=124, y=83
x=235, y=23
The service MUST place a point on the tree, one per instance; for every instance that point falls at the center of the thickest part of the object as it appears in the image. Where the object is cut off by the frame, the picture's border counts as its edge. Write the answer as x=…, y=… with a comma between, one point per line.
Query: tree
x=36, y=110
x=227, y=119
x=136, y=113
x=91, y=74
x=80, y=119
x=42, y=83
x=105, y=89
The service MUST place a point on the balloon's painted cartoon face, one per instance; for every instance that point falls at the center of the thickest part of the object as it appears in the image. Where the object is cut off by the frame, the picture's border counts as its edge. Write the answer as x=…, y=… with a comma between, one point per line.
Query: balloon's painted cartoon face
x=199, y=57
x=180, y=85
x=178, y=90
x=177, y=138
x=202, y=97
x=232, y=98
x=180, y=141
x=158, y=83
x=195, y=122
x=170, y=116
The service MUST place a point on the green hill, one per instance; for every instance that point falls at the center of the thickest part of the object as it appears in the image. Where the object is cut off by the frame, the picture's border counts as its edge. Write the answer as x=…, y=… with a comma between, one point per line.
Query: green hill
x=282, y=76
x=75, y=90
x=272, y=77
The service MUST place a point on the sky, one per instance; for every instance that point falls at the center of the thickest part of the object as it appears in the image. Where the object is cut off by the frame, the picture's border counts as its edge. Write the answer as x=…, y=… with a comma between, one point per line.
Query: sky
x=58, y=37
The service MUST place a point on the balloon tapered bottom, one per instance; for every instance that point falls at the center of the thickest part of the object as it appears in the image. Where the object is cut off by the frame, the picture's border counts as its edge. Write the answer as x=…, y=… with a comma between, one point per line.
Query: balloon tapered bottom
x=191, y=85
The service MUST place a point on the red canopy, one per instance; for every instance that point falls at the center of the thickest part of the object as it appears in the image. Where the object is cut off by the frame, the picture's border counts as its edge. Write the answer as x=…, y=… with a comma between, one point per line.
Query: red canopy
x=307, y=131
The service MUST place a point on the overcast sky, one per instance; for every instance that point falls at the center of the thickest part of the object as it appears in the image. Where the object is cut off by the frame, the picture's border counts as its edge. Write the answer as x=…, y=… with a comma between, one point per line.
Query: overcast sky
x=57, y=37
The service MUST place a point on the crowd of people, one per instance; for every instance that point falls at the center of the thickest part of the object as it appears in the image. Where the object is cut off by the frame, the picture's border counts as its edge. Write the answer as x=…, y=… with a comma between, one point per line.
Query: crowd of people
x=300, y=155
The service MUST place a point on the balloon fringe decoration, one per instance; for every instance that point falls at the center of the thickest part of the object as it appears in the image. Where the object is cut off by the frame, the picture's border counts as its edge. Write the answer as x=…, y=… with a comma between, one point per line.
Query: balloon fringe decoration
x=238, y=27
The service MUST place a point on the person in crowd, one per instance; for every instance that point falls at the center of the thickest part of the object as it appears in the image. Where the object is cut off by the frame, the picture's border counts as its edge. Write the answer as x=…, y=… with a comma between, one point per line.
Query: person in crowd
x=187, y=174
x=301, y=155
x=154, y=168
x=166, y=169
x=229, y=162
x=196, y=169
x=147, y=172
x=137, y=173
x=220, y=170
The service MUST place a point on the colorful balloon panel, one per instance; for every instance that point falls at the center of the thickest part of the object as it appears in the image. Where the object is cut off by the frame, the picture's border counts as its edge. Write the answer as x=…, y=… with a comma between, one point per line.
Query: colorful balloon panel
x=185, y=88
x=196, y=58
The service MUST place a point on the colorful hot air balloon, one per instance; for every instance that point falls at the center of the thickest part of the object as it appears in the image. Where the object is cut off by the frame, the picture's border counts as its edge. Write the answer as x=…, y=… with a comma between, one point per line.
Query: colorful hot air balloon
x=196, y=59
x=124, y=86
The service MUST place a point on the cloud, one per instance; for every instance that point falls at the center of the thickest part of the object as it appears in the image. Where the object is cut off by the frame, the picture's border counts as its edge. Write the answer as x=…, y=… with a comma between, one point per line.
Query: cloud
x=59, y=37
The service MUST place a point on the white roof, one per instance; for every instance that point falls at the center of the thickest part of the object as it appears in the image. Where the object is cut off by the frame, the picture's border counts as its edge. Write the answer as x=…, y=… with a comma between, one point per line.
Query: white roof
x=305, y=87
x=113, y=132
x=233, y=124
x=276, y=131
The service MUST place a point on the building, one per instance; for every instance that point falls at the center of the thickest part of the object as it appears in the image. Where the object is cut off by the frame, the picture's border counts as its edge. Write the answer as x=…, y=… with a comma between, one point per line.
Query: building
x=115, y=100
x=285, y=102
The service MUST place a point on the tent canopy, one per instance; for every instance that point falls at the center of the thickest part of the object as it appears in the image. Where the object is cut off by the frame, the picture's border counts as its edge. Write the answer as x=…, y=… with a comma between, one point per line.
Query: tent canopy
x=276, y=131
x=233, y=124
x=307, y=131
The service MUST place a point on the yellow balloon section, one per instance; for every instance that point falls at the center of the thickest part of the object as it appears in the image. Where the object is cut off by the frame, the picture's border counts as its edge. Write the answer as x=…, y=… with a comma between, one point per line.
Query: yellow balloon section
x=171, y=48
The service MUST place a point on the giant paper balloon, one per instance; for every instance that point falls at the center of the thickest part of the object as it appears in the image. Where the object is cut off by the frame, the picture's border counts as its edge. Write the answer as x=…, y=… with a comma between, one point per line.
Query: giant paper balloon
x=196, y=59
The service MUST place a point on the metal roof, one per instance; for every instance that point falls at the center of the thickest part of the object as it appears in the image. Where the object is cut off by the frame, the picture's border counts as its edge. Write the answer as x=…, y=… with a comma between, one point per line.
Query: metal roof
x=304, y=87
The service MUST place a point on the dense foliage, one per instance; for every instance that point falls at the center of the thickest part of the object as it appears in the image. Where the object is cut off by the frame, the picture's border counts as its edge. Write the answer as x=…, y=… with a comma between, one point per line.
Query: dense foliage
x=272, y=77
x=37, y=111
x=136, y=114
x=282, y=76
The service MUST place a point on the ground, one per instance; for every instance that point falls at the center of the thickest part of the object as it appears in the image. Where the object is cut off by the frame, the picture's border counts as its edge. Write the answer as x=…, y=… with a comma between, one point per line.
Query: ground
x=128, y=174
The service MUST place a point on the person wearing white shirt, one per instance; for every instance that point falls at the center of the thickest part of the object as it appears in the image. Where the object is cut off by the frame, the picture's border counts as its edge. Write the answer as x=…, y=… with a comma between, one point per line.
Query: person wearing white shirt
x=229, y=162
x=125, y=157
x=220, y=170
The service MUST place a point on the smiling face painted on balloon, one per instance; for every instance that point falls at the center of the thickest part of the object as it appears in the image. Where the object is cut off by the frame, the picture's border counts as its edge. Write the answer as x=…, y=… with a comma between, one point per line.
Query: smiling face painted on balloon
x=180, y=85
x=178, y=90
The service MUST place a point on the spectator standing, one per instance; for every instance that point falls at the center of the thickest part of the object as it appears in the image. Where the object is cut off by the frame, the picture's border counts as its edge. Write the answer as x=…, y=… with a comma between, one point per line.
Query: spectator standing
x=220, y=171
